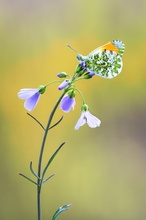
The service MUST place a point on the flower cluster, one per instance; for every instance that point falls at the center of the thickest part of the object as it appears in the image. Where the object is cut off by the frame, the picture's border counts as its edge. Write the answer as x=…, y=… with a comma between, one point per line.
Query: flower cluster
x=105, y=61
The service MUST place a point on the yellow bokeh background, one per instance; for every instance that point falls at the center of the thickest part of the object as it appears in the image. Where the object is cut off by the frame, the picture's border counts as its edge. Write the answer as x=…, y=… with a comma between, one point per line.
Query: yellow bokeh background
x=102, y=171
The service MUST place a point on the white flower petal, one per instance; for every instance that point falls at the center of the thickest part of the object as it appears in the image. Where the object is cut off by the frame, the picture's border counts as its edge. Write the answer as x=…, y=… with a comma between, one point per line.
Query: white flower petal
x=26, y=93
x=87, y=117
x=92, y=121
x=80, y=122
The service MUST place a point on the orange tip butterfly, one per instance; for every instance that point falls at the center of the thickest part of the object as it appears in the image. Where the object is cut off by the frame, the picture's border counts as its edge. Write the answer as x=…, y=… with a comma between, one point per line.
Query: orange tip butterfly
x=105, y=61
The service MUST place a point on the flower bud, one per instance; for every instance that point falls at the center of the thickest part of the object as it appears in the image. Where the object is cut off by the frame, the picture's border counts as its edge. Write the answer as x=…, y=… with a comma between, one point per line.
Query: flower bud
x=89, y=75
x=62, y=75
x=80, y=69
x=63, y=85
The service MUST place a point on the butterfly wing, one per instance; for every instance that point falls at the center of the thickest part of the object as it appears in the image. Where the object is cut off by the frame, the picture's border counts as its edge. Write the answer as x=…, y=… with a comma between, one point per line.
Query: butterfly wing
x=106, y=61
x=108, y=46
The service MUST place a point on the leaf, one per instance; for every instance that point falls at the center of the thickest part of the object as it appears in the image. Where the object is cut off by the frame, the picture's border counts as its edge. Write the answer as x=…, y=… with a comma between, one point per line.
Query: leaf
x=56, y=123
x=27, y=178
x=51, y=159
x=33, y=171
x=48, y=178
x=61, y=209
x=36, y=120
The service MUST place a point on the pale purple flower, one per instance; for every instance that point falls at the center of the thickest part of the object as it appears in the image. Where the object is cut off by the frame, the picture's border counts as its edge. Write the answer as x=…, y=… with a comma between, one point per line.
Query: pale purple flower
x=31, y=96
x=87, y=117
x=67, y=103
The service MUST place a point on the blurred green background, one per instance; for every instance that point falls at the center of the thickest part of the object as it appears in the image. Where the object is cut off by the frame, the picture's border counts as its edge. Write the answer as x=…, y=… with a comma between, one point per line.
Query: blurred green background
x=101, y=172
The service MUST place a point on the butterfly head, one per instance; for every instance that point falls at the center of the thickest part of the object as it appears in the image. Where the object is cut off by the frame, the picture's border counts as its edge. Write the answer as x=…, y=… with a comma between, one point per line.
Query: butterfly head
x=80, y=57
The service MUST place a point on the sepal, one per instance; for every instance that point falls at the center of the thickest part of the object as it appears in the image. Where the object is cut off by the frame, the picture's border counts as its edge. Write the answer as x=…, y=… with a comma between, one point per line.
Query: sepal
x=84, y=107
x=71, y=93
x=41, y=89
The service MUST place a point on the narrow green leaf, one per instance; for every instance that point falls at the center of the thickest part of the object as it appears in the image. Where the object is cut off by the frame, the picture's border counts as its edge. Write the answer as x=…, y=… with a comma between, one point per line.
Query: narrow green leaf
x=51, y=159
x=61, y=209
x=31, y=169
x=48, y=178
x=36, y=120
x=56, y=123
x=28, y=178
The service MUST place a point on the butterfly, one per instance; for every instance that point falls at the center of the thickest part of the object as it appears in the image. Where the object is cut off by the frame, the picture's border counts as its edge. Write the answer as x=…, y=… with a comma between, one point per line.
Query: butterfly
x=105, y=61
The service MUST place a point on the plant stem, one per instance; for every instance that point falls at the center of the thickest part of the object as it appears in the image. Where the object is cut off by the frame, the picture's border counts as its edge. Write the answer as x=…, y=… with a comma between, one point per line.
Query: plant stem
x=39, y=181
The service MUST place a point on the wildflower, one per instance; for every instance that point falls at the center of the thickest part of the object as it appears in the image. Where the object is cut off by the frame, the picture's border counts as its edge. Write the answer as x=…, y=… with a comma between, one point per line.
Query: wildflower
x=87, y=117
x=31, y=96
x=68, y=101
x=64, y=84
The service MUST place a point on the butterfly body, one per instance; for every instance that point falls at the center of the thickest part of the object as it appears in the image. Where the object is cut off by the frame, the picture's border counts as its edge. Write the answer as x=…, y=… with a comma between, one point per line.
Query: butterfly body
x=105, y=61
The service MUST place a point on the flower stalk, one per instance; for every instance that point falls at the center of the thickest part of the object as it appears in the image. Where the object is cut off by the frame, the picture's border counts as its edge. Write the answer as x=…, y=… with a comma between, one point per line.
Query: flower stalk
x=39, y=180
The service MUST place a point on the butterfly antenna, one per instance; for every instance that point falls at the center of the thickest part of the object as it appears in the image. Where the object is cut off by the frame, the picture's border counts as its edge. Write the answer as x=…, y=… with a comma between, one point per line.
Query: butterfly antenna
x=72, y=48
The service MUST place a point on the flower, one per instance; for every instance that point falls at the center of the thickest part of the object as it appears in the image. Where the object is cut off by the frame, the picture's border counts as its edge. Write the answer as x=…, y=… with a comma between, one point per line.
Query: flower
x=68, y=102
x=31, y=96
x=63, y=85
x=87, y=117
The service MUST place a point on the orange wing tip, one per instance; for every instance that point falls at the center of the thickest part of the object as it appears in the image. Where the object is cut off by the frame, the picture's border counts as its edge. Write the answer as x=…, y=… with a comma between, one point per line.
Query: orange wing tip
x=109, y=46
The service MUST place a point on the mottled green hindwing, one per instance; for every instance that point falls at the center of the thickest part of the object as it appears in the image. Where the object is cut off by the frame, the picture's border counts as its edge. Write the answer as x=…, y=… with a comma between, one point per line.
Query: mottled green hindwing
x=105, y=61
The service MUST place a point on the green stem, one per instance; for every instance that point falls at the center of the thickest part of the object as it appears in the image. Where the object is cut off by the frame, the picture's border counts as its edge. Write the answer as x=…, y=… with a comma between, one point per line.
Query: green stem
x=39, y=181
x=81, y=95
